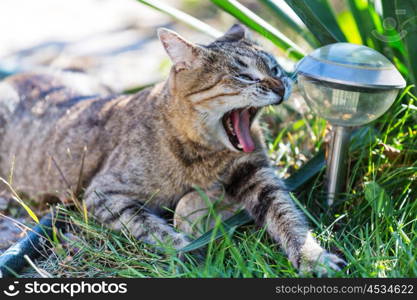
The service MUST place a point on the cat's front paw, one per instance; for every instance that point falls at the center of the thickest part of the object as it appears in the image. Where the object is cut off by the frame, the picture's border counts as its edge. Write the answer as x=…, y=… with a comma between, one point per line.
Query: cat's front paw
x=322, y=264
x=313, y=259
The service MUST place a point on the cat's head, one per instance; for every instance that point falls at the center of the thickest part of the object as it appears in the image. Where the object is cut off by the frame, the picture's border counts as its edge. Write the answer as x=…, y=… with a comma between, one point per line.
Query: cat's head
x=224, y=84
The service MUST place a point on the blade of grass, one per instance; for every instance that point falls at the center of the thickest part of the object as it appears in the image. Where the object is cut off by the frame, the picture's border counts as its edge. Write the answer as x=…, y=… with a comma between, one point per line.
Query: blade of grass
x=323, y=11
x=319, y=19
x=239, y=219
x=362, y=13
x=296, y=27
x=20, y=201
x=183, y=17
x=306, y=172
x=408, y=22
x=394, y=34
x=256, y=23
x=349, y=27
x=363, y=23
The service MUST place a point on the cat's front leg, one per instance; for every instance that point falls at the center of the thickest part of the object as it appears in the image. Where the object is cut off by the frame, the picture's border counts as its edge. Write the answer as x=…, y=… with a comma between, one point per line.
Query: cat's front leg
x=254, y=183
x=115, y=204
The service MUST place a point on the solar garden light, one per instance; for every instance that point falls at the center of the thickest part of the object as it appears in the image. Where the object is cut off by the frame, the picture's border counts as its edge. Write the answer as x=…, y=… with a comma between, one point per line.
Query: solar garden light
x=348, y=85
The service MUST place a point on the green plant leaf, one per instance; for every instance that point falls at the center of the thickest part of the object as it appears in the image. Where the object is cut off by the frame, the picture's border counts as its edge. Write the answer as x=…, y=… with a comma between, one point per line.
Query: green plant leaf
x=363, y=24
x=318, y=16
x=407, y=20
x=183, y=17
x=20, y=201
x=362, y=137
x=136, y=89
x=365, y=17
x=255, y=22
x=378, y=198
x=306, y=172
x=229, y=225
x=349, y=27
x=394, y=33
x=287, y=20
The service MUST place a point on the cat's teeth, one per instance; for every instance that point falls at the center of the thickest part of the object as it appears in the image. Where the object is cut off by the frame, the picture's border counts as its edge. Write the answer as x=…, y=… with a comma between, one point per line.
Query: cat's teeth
x=230, y=127
x=239, y=146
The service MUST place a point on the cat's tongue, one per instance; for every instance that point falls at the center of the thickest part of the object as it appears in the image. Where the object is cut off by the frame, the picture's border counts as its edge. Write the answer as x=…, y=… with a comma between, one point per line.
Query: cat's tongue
x=241, y=125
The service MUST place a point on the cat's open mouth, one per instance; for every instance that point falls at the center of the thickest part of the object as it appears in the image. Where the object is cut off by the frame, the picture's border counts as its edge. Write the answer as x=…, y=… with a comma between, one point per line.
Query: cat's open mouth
x=237, y=125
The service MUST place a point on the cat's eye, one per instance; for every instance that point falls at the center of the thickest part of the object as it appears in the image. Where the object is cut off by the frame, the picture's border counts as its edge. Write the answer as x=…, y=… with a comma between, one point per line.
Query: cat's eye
x=246, y=78
x=276, y=71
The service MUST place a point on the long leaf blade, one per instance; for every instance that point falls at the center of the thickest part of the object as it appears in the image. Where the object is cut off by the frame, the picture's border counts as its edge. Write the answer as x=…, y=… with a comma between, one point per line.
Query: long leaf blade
x=407, y=18
x=20, y=201
x=349, y=27
x=238, y=219
x=183, y=17
x=369, y=23
x=393, y=35
x=325, y=14
x=255, y=22
x=318, y=17
x=287, y=20
x=306, y=172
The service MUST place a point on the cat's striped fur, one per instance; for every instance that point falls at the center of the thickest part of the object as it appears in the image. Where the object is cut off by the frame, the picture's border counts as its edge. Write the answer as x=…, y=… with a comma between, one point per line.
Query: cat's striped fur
x=146, y=151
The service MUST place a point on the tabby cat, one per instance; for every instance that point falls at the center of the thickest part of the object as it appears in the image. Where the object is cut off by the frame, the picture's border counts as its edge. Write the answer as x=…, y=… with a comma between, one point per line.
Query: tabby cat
x=139, y=153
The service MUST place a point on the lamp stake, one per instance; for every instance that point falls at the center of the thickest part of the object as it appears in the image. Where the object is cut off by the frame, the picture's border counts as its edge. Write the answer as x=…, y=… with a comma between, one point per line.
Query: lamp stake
x=337, y=162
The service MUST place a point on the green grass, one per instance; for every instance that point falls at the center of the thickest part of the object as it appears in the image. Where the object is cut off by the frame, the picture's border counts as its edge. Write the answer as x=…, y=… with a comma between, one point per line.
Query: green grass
x=374, y=228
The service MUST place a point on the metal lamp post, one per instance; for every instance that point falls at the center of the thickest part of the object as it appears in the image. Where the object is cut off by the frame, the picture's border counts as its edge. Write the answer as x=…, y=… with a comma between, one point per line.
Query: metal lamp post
x=349, y=85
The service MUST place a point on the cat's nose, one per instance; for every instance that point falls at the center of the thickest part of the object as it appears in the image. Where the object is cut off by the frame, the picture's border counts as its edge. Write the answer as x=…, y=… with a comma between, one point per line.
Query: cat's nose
x=279, y=90
x=277, y=86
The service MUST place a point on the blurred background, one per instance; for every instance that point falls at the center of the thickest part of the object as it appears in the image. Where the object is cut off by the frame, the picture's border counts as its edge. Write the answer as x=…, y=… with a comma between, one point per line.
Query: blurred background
x=113, y=40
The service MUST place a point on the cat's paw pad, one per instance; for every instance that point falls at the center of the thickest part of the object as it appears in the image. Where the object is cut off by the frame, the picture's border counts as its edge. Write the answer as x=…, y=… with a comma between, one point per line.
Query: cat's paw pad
x=322, y=265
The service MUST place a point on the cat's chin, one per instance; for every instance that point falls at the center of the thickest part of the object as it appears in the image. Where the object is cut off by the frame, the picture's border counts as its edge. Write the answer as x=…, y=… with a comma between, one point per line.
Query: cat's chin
x=237, y=124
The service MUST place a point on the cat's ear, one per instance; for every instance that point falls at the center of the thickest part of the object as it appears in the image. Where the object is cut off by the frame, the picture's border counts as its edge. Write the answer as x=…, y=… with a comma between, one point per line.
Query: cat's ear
x=235, y=33
x=183, y=54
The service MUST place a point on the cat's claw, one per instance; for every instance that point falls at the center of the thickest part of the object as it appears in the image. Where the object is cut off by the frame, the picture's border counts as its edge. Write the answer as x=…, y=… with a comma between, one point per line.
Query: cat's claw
x=325, y=264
